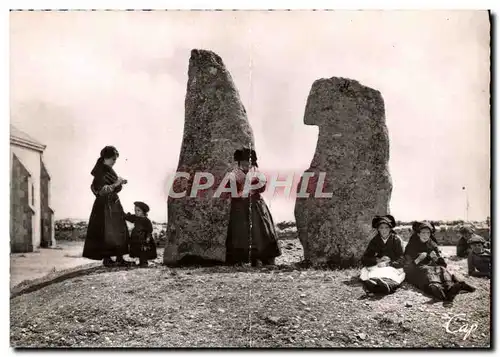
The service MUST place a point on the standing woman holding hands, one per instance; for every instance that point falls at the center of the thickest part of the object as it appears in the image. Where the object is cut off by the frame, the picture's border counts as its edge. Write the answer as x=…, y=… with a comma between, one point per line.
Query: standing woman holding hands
x=107, y=232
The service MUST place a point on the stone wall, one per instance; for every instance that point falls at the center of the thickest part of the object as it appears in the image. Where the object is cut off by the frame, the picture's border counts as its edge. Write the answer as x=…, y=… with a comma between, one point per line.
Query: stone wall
x=46, y=213
x=445, y=235
x=31, y=161
x=21, y=213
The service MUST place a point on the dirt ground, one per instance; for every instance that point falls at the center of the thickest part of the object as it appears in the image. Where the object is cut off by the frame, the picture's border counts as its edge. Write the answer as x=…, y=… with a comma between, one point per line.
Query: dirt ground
x=285, y=306
x=29, y=266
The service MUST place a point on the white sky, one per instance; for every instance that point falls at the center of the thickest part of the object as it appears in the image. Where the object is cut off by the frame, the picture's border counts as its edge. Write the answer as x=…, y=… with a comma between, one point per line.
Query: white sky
x=83, y=80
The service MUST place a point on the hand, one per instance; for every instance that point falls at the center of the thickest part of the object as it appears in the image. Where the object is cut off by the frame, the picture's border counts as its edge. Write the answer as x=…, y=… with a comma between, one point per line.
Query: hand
x=383, y=259
x=382, y=264
x=433, y=255
x=420, y=257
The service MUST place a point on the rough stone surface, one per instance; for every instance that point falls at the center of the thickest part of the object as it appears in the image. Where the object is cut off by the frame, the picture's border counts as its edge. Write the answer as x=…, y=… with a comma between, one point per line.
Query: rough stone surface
x=47, y=236
x=215, y=126
x=353, y=150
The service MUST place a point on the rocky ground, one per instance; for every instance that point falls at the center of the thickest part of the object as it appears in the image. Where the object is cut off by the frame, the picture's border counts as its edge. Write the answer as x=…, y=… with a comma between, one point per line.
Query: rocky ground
x=286, y=306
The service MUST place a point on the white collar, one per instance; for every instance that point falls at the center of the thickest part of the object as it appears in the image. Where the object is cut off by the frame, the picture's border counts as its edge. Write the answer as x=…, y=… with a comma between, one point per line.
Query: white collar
x=385, y=240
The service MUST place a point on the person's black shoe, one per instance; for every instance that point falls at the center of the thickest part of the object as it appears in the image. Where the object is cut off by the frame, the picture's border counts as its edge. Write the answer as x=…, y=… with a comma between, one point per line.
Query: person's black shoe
x=108, y=262
x=123, y=263
x=467, y=287
x=437, y=291
x=370, y=286
x=383, y=287
x=453, y=292
x=143, y=263
x=271, y=261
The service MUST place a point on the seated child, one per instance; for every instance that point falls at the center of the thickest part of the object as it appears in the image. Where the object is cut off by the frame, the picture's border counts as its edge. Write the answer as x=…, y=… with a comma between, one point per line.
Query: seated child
x=479, y=260
x=383, y=266
x=142, y=245
x=465, y=233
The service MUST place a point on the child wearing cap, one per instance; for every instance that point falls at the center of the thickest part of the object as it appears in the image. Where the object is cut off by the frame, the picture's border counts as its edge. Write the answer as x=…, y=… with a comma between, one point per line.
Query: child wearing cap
x=142, y=245
x=464, y=233
x=479, y=259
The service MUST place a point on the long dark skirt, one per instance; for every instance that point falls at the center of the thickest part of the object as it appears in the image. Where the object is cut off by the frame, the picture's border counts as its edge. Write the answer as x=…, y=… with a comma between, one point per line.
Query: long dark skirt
x=107, y=232
x=424, y=275
x=264, y=237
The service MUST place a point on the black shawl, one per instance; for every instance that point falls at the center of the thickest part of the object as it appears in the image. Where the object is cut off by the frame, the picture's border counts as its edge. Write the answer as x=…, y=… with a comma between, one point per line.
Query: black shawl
x=416, y=246
x=393, y=248
x=103, y=175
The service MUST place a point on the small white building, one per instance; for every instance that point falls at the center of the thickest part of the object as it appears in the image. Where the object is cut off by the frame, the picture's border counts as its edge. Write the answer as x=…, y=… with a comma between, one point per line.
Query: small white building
x=31, y=218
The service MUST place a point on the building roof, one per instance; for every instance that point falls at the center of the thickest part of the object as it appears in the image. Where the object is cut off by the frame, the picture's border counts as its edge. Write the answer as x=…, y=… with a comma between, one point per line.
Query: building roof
x=18, y=137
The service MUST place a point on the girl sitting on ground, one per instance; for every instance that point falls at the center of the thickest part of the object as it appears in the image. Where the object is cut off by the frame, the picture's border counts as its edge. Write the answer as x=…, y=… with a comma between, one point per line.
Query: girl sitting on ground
x=426, y=268
x=383, y=259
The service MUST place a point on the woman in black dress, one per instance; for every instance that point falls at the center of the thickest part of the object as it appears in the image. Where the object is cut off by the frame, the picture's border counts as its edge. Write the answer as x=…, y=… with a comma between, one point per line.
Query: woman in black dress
x=264, y=237
x=426, y=268
x=107, y=233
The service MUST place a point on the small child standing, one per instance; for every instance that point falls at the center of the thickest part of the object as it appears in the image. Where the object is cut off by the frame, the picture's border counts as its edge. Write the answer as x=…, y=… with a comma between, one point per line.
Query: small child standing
x=142, y=245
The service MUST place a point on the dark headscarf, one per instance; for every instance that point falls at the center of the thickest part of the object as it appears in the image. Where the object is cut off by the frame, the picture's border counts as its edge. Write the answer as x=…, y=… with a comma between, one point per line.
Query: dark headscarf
x=104, y=174
x=387, y=219
x=416, y=246
x=466, y=230
x=106, y=153
x=245, y=154
x=418, y=226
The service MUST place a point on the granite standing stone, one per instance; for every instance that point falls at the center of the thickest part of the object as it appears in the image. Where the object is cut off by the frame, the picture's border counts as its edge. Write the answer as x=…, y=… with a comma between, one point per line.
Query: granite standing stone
x=215, y=126
x=353, y=151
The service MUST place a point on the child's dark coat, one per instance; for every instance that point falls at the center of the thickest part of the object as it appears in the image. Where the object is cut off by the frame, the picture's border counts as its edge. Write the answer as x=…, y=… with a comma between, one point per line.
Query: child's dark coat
x=139, y=245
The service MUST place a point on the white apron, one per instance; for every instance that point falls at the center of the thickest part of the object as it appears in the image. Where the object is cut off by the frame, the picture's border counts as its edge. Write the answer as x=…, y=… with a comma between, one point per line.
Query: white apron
x=397, y=275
